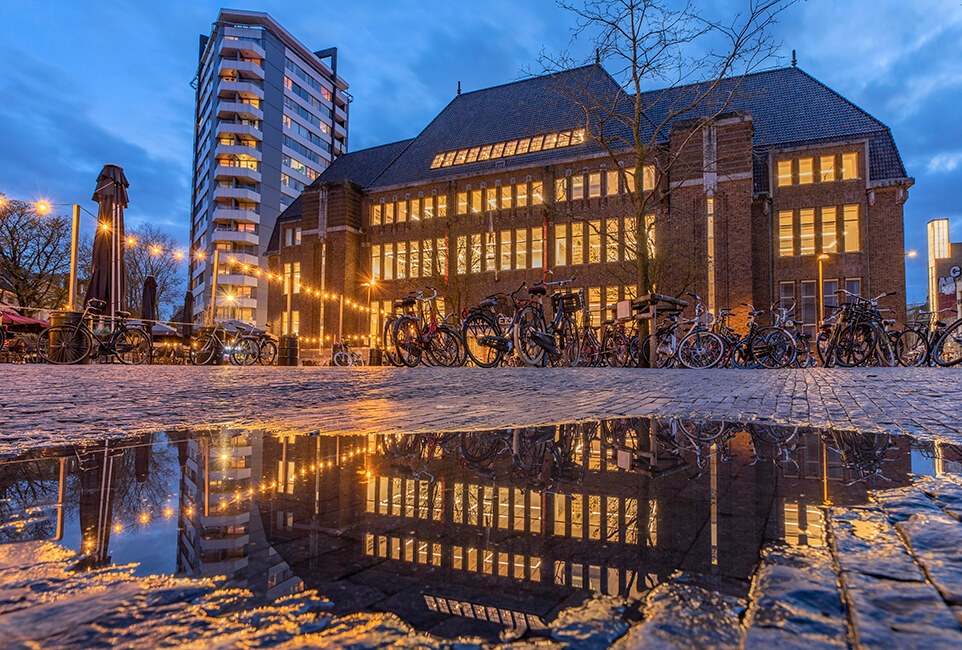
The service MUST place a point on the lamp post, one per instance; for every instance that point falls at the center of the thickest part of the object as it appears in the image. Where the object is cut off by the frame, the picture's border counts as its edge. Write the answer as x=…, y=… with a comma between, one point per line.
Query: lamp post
x=821, y=290
x=370, y=286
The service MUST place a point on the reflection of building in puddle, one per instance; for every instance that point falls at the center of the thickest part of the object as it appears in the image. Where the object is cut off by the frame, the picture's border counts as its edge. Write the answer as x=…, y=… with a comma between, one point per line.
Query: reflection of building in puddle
x=508, y=618
x=218, y=536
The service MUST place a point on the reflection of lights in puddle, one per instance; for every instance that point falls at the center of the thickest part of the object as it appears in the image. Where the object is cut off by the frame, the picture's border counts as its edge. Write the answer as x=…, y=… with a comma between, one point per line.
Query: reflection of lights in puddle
x=865, y=529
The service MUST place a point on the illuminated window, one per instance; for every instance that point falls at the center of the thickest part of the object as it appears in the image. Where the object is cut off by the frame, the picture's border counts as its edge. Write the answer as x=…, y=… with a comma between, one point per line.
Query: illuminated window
x=631, y=242
x=427, y=259
x=786, y=236
x=475, y=201
x=442, y=205
x=438, y=159
x=849, y=166
x=485, y=152
x=806, y=220
x=648, y=178
x=415, y=209
x=826, y=166
x=402, y=260
x=537, y=193
x=510, y=148
x=630, y=180
x=460, y=156
x=428, y=207
x=521, y=248
x=560, y=511
x=611, y=182
x=594, y=242
x=577, y=187
x=388, y=213
x=550, y=141
x=536, y=143
x=594, y=185
x=402, y=211
x=561, y=244
x=505, y=197
x=497, y=150
x=491, y=198
x=805, y=167
x=472, y=154
x=506, y=250
x=784, y=172
x=475, y=253
x=376, y=214
x=809, y=306
x=415, y=258
x=521, y=195
x=850, y=228
x=611, y=240
x=537, y=248
x=462, y=255
x=523, y=145
x=829, y=229
x=561, y=189
x=441, y=251
x=376, y=262
x=388, y=261
x=577, y=243
x=462, y=202
x=489, y=252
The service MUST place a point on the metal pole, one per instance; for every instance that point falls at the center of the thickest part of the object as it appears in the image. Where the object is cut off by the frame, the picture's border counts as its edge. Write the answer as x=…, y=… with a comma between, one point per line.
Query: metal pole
x=113, y=263
x=74, y=242
x=61, y=498
x=340, y=321
x=213, y=288
x=290, y=293
x=323, y=287
x=821, y=296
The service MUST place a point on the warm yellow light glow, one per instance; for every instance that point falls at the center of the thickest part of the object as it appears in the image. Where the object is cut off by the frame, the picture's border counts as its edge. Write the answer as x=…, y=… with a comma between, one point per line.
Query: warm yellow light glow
x=104, y=226
x=911, y=253
x=131, y=241
x=223, y=456
x=179, y=255
x=145, y=518
x=823, y=256
x=155, y=250
x=247, y=268
x=43, y=207
x=200, y=255
x=168, y=512
x=232, y=261
x=230, y=298
x=117, y=528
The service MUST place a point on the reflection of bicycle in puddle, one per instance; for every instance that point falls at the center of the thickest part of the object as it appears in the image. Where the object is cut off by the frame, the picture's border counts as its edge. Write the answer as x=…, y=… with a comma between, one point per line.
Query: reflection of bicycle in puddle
x=414, y=452
x=774, y=443
x=861, y=453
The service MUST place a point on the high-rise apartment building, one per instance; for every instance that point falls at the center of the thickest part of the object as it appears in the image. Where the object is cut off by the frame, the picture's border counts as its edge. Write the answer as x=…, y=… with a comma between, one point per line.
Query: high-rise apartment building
x=270, y=115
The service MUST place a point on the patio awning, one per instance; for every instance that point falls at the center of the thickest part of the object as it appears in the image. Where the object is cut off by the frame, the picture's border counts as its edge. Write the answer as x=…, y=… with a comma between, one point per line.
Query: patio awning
x=16, y=320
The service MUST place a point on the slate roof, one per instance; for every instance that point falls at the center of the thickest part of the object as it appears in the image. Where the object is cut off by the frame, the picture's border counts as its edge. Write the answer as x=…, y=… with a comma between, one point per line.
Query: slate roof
x=788, y=106
x=290, y=213
x=362, y=166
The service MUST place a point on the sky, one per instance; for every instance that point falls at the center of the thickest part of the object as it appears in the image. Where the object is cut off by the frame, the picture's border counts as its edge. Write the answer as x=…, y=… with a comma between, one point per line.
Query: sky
x=94, y=82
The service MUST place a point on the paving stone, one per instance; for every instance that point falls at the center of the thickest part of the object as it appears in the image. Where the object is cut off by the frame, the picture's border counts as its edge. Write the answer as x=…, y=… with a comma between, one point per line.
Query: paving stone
x=795, y=601
x=936, y=543
x=900, y=504
x=946, y=493
x=863, y=541
x=682, y=614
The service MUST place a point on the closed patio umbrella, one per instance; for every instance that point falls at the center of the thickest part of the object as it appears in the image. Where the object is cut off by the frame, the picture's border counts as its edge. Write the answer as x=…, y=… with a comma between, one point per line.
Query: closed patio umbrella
x=111, y=194
x=188, y=316
x=148, y=300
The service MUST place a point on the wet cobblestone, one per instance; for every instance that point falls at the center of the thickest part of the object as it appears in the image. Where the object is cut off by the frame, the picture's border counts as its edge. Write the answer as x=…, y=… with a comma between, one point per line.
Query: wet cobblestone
x=44, y=404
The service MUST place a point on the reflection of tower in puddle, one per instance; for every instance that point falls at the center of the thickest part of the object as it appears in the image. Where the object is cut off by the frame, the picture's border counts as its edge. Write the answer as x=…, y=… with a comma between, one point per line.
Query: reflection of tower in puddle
x=214, y=535
x=97, y=479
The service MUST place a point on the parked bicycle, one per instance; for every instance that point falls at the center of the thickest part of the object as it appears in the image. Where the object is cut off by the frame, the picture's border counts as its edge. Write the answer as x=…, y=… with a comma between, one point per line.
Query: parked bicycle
x=74, y=343
x=344, y=356
x=855, y=335
x=417, y=332
x=252, y=346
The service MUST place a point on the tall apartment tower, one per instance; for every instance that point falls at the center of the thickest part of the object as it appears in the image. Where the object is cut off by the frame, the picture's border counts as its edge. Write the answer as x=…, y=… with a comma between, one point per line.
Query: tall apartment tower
x=270, y=115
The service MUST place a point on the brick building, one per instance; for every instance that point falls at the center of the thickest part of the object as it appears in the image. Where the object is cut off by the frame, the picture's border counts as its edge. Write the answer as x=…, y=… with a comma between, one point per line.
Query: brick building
x=506, y=184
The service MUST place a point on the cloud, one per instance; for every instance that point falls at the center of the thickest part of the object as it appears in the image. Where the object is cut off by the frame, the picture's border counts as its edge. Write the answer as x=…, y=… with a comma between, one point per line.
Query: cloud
x=944, y=162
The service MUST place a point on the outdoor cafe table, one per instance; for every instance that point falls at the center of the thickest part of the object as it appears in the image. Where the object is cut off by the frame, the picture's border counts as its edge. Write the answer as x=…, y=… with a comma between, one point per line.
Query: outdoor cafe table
x=646, y=308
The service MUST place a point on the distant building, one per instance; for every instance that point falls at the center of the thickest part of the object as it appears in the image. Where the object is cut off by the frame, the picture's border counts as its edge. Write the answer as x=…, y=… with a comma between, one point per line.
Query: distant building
x=944, y=268
x=270, y=115
x=504, y=184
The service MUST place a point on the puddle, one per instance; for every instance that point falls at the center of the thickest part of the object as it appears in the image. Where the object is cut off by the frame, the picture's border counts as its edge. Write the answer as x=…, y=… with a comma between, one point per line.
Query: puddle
x=456, y=533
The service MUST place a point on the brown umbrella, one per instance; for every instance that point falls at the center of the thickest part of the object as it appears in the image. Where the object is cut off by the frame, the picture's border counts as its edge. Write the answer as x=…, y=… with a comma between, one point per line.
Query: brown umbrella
x=111, y=194
x=188, y=316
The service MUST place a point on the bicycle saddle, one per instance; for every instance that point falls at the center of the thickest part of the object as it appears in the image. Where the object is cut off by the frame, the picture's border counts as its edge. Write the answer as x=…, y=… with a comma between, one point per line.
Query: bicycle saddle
x=537, y=291
x=610, y=321
x=755, y=312
x=490, y=302
x=122, y=314
x=404, y=302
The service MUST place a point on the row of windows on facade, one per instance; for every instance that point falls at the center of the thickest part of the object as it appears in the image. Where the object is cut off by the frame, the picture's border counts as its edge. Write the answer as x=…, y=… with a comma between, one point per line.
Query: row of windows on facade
x=581, y=186
x=808, y=229
x=802, y=171
x=613, y=240
x=509, y=148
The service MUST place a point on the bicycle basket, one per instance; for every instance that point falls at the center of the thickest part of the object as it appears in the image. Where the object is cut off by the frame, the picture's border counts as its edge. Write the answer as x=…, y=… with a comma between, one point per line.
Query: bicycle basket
x=569, y=303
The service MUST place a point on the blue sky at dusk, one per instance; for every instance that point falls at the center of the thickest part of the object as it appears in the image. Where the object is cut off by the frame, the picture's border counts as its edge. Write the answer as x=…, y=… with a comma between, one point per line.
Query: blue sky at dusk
x=94, y=82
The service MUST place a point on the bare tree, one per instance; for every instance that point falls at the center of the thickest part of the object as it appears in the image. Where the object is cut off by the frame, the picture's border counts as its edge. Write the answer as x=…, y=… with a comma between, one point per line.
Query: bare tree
x=151, y=253
x=34, y=255
x=696, y=63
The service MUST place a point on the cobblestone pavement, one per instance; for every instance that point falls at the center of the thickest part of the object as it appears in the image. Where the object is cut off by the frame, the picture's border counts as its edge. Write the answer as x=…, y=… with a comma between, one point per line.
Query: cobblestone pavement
x=45, y=404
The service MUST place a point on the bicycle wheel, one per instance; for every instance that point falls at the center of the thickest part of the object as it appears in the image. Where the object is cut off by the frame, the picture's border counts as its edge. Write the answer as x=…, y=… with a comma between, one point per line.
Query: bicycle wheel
x=444, y=348
x=568, y=342
x=884, y=350
x=663, y=354
x=855, y=344
x=473, y=328
x=267, y=353
x=700, y=349
x=406, y=343
x=64, y=345
x=243, y=352
x=742, y=357
x=911, y=348
x=205, y=350
x=343, y=359
x=822, y=343
x=131, y=346
x=947, y=351
x=774, y=348
x=528, y=322
x=615, y=349
x=803, y=352
x=387, y=336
